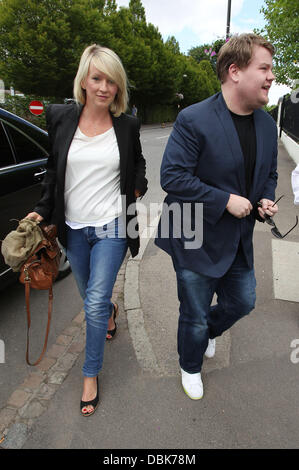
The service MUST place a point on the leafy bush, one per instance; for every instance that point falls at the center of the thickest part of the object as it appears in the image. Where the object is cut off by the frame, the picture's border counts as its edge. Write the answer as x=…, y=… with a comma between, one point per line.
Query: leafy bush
x=20, y=105
x=157, y=113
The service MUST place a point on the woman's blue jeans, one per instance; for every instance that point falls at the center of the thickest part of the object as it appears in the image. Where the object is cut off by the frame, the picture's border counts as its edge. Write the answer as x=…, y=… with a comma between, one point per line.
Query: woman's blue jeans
x=95, y=255
x=198, y=321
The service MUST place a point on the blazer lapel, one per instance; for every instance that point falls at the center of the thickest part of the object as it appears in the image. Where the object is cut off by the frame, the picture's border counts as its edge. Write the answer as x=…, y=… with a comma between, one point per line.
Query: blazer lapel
x=69, y=127
x=232, y=140
x=121, y=133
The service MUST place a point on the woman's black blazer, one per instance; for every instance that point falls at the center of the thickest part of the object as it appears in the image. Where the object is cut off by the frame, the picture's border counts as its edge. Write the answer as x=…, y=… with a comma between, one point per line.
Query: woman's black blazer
x=62, y=122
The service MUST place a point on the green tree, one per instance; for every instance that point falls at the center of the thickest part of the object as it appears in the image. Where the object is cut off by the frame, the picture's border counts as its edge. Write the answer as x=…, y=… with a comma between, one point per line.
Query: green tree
x=41, y=42
x=206, y=67
x=137, y=10
x=195, y=85
x=199, y=52
x=282, y=29
x=130, y=44
x=173, y=45
x=110, y=7
x=150, y=64
x=207, y=52
x=218, y=44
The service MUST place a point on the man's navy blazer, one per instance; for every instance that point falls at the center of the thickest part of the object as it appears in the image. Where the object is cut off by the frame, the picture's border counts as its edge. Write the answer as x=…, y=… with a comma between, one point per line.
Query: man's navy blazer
x=62, y=122
x=203, y=163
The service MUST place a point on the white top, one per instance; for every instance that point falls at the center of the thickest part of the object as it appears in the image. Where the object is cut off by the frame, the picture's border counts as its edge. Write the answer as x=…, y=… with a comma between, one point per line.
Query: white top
x=92, y=180
x=295, y=184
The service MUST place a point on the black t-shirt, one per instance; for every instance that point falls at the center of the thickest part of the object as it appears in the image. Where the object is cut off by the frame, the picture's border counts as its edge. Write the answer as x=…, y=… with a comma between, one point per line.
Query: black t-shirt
x=246, y=132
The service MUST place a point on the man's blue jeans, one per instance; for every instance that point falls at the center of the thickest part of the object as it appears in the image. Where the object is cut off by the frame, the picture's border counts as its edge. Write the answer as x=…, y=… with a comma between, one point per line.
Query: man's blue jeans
x=95, y=255
x=198, y=321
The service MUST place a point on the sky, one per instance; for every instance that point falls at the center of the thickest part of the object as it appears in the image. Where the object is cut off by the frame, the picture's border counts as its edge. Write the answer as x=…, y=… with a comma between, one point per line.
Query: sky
x=196, y=22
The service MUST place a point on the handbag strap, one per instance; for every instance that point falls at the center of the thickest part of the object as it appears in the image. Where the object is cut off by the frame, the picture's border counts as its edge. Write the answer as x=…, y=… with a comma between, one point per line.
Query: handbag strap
x=50, y=305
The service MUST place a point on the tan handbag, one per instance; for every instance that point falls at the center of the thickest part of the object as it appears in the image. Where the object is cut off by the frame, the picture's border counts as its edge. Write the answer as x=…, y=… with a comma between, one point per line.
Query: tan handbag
x=39, y=272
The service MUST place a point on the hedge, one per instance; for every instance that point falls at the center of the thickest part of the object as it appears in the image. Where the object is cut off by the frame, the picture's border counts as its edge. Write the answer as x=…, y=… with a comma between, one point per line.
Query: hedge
x=20, y=105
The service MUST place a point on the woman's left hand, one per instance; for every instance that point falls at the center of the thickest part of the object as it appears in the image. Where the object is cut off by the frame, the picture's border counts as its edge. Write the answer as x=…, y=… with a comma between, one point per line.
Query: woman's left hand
x=137, y=193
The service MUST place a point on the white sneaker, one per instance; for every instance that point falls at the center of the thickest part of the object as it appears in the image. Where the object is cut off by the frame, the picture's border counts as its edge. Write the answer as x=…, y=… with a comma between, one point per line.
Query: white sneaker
x=192, y=385
x=211, y=349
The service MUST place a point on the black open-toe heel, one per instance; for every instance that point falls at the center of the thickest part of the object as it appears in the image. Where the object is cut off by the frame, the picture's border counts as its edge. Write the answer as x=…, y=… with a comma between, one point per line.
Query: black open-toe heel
x=111, y=333
x=94, y=403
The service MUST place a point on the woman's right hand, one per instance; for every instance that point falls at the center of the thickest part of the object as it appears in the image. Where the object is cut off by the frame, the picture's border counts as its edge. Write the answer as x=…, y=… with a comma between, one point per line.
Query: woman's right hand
x=35, y=216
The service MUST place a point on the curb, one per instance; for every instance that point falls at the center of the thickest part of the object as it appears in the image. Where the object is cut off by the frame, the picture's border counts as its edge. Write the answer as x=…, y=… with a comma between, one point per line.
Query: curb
x=133, y=308
x=32, y=398
x=163, y=125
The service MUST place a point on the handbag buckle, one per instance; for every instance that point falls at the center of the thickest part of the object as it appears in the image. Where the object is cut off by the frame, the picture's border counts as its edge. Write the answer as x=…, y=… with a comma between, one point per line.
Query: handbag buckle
x=26, y=278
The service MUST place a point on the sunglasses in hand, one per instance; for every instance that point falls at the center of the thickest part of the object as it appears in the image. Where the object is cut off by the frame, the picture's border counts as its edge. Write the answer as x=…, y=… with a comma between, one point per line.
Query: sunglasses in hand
x=270, y=221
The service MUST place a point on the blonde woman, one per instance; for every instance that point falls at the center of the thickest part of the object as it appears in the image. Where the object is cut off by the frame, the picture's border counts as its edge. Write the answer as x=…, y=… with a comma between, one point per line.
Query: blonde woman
x=95, y=173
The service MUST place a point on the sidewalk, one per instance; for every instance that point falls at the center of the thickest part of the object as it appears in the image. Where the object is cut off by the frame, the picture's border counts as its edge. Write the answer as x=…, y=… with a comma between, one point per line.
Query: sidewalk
x=251, y=387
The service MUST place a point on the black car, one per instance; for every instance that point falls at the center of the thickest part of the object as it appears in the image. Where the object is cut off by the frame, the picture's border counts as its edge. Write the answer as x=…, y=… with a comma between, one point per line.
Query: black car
x=24, y=151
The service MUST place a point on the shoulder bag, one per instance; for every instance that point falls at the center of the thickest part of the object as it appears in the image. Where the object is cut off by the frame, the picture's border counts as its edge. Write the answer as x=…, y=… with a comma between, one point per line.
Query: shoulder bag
x=39, y=272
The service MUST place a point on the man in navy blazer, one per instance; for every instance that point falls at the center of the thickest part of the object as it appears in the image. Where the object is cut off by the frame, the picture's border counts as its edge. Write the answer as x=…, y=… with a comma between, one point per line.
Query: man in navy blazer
x=219, y=162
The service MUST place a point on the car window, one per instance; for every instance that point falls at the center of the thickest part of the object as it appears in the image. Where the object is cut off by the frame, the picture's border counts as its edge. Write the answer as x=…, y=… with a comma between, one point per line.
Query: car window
x=25, y=148
x=6, y=156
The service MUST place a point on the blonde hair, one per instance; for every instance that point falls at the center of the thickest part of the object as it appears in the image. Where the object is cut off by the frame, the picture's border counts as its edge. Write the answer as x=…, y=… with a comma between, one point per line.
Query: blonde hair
x=238, y=50
x=107, y=62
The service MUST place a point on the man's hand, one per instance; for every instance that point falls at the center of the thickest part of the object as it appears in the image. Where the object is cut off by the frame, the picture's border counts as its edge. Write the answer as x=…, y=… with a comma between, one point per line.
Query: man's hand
x=267, y=208
x=137, y=193
x=238, y=206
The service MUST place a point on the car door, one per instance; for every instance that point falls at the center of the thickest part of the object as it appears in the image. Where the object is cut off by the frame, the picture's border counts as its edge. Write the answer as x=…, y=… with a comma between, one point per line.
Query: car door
x=23, y=162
